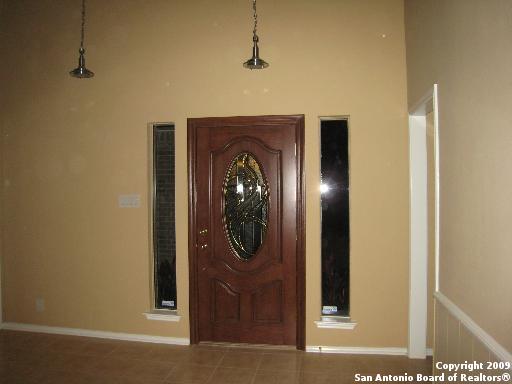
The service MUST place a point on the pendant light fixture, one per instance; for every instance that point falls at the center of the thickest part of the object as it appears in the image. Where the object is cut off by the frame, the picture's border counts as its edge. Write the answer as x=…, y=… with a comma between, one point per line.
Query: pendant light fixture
x=80, y=71
x=255, y=62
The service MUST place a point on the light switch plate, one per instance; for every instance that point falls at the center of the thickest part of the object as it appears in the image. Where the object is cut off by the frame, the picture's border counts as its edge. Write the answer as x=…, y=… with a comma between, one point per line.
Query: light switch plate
x=129, y=201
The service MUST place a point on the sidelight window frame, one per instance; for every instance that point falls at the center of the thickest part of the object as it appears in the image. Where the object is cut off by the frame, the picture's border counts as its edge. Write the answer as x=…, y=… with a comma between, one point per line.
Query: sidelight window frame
x=156, y=313
x=334, y=321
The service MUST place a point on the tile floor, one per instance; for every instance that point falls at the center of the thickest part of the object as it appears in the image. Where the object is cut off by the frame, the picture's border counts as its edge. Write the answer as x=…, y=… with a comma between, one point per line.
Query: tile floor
x=39, y=358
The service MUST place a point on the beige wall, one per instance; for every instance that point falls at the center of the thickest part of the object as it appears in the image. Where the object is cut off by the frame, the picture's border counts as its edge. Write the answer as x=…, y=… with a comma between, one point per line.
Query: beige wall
x=72, y=146
x=465, y=47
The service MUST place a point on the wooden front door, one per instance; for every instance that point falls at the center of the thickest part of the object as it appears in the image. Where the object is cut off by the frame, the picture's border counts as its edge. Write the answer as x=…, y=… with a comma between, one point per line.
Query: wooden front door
x=246, y=229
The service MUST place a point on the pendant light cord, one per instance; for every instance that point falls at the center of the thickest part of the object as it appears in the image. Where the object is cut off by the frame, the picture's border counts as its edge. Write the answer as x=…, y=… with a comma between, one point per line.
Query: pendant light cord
x=255, y=17
x=81, y=71
x=83, y=25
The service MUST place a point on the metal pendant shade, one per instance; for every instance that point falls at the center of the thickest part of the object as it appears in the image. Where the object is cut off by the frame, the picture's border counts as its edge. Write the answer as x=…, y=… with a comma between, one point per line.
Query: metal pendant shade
x=255, y=62
x=81, y=71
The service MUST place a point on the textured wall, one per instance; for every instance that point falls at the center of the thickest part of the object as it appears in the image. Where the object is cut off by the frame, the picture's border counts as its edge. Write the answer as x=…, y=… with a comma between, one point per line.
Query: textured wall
x=465, y=47
x=72, y=146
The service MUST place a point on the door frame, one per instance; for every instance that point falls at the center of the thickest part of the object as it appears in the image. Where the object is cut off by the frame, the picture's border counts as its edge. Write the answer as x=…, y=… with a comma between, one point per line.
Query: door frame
x=192, y=125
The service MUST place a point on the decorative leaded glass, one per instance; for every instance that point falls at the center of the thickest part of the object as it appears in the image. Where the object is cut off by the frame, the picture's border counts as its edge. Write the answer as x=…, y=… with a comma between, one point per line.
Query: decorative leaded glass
x=246, y=204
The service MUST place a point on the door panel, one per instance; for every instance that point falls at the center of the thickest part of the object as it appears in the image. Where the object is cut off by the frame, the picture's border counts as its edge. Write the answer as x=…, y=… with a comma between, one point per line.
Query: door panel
x=225, y=303
x=267, y=303
x=244, y=230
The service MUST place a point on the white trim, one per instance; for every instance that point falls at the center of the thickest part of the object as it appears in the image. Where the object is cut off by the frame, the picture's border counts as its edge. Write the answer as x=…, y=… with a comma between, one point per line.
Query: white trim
x=499, y=351
x=97, y=334
x=424, y=105
x=357, y=350
x=430, y=352
x=162, y=316
x=437, y=198
x=418, y=264
x=335, y=322
x=418, y=237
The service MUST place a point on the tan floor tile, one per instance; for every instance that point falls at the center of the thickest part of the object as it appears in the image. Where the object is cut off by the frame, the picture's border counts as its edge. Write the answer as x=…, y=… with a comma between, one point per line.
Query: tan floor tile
x=99, y=348
x=98, y=379
x=94, y=378
x=232, y=376
x=58, y=377
x=324, y=378
x=131, y=350
x=316, y=363
x=56, y=361
x=190, y=374
x=204, y=357
x=241, y=360
x=66, y=344
x=113, y=366
x=420, y=366
x=338, y=365
x=135, y=380
x=22, y=355
x=15, y=368
x=281, y=361
x=83, y=363
x=144, y=369
x=92, y=361
x=12, y=378
x=276, y=377
x=168, y=353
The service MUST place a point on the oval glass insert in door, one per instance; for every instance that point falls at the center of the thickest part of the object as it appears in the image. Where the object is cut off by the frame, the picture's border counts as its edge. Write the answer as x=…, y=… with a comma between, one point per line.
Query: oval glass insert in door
x=246, y=204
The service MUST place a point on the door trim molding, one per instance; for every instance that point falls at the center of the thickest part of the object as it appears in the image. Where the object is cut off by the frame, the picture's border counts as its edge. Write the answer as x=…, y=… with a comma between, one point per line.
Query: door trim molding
x=298, y=122
x=418, y=236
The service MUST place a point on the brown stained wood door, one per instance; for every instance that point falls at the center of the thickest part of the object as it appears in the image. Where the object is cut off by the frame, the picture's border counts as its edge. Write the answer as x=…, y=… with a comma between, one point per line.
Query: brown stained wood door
x=245, y=220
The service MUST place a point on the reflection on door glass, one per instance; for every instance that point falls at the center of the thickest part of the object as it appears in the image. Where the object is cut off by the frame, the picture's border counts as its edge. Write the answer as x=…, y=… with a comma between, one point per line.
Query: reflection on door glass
x=246, y=203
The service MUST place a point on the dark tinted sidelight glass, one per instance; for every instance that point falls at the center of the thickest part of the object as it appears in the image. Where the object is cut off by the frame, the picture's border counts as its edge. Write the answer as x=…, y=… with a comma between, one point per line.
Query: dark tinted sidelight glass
x=245, y=193
x=335, y=217
x=164, y=226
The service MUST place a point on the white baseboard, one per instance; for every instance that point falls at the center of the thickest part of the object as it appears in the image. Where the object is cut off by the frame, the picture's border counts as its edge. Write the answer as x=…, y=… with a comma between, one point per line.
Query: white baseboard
x=496, y=348
x=357, y=350
x=92, y=333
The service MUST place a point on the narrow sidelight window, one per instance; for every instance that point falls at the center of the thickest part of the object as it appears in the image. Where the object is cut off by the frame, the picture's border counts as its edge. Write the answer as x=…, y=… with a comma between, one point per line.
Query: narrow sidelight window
x=334, y=191
x=164, y=226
